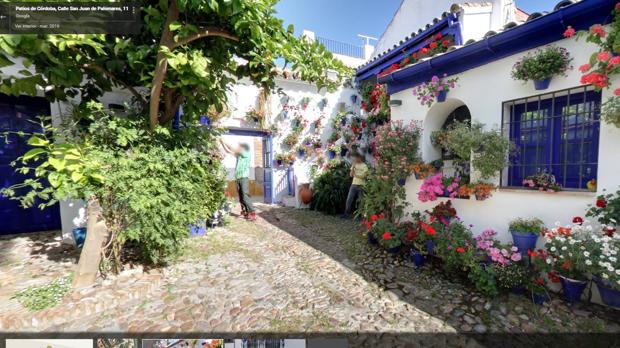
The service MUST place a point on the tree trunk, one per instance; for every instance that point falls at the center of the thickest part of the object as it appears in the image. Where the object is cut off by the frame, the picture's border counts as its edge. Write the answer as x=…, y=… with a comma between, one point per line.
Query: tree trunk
x=167, y=40
x=97, y=235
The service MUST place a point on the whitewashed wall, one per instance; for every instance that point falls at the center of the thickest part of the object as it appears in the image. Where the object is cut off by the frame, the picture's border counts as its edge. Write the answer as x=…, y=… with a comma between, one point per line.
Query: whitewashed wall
x=483, y=90
x=480, y=17
x=243, y=97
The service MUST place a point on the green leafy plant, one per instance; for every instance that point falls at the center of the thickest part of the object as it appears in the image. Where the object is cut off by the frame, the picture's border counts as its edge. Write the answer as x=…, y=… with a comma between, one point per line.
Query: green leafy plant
x=487, y=151
x=610, y=111
x=46, y=296
x=542, y=64
x=483, y=278
x=331, y=188
x=523, y=225
x=382, y=196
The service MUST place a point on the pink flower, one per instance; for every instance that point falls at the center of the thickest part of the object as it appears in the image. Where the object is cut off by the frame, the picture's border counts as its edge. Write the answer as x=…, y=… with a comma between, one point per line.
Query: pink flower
x=570, y=32
x=617, y=91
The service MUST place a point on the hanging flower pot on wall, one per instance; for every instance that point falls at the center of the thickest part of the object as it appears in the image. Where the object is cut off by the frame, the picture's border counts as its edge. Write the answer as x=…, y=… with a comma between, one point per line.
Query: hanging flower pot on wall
x=441, y=97
x=541, y=85
x=301, y=153
x=402, y=182
x=354, y=99
x=331, y=154
x=344, y=151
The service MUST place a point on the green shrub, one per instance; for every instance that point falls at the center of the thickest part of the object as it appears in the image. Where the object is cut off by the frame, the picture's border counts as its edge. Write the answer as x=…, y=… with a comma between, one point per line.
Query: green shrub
x=331, y=188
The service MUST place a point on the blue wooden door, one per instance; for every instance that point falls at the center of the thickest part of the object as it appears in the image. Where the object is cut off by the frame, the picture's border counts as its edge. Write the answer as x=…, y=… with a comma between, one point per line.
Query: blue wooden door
x=16, y=114
x=267, y=170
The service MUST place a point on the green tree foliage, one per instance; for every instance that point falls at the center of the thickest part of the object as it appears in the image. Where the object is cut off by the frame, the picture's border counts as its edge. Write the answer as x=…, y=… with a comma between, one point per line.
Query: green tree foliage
x=189, y=53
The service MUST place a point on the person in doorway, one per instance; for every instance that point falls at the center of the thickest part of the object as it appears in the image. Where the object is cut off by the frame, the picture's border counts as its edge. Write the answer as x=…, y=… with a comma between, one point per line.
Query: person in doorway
x=359, y=170
x=242, y=177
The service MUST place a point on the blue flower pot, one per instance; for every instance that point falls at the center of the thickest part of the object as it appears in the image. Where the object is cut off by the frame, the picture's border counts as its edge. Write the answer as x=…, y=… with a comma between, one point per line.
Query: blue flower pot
x=442, y=96
x=394, y=250
x=372, y=239
x=519, y=290
x=354, y=99
x=79, y=235
x=198, y=230
x=540, y=85
x=343, y=121
x=402, y=182
x=279, y=163
x=301, y=153
x=430, y=247
x=609, y=296
x=417, y=258
x=524, y=241
x=446, y=193
x=573, y=289
x=539, y=299
x=343, y=152
x=331, y=154
x=205, y=121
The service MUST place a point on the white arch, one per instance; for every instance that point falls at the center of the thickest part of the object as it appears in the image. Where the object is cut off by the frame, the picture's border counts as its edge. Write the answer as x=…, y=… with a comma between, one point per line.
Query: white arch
x=434, y=120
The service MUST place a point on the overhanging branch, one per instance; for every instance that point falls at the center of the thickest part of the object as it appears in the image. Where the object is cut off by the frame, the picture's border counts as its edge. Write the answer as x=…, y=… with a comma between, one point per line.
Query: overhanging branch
x=205, y=32
x=131, y=89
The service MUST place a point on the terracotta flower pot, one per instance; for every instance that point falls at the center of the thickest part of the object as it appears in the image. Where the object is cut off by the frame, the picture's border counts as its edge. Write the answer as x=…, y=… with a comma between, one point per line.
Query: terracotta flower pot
x=305, y=193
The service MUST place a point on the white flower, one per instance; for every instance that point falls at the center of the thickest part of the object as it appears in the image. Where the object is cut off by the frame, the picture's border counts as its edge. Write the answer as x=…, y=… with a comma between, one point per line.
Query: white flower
x=610, y=269
x=605, y=276
x=553, y=249
x=549, y=261
x=564, y=248
x=588, y=262
x=618, y=271
x=586, y=254
x=612, y=259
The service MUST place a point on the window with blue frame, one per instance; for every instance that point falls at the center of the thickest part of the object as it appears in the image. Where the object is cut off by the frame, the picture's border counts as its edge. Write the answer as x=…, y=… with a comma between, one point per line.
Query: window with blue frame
x=557, y=133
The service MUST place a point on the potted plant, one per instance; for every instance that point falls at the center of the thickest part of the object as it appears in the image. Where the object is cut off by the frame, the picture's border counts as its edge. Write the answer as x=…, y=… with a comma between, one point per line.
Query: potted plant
x=450, y=186
x=606, y=211
x=464, y=191
x=431, y=188
x=511, y=277
x=537, y=287
x=482, y=190
x=291, y=140
x=343, y=151
x=434, y=91
x=301, y=151
x=422, y=170
x=332, y=150
x=525, y=233
x=391, y=239
x=541, y=65
x=305, y=101
x=443, y=212
x=602, y=261
x=566, y=256
x=542, y=181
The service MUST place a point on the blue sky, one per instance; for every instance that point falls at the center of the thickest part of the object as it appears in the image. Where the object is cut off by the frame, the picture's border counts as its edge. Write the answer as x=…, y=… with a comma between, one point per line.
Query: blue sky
x=342, y=20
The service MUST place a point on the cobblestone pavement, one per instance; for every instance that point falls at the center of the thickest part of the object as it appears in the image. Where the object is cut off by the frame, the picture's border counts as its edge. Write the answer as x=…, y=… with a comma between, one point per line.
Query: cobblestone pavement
x=295, y=271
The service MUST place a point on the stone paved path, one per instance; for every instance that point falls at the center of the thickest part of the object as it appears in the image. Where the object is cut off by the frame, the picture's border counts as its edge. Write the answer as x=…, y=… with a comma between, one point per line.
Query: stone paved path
x=298, y=271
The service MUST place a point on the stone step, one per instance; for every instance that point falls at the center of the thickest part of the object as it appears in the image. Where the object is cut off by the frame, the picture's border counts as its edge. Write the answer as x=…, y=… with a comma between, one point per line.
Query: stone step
x=102, y=297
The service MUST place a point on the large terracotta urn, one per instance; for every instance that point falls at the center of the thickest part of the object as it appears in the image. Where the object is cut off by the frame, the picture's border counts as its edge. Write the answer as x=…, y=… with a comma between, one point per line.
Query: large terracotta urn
x=305, y=193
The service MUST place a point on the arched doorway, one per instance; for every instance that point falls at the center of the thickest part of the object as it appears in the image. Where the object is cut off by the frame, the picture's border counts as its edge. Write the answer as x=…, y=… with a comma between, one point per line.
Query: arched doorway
x=439, y=119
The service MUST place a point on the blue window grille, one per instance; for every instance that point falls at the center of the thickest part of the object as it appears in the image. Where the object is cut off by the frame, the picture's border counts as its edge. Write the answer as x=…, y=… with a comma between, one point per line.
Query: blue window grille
x=557, y=133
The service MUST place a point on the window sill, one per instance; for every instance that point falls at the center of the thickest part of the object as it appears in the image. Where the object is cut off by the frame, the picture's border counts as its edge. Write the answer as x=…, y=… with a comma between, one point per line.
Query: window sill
x=559, y=193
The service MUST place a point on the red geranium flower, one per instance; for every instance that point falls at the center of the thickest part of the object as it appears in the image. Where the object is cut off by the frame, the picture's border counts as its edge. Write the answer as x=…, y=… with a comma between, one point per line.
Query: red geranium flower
x=570, y=32
x=609, y=231
x=532, y=254
x=618, y=6
x=601, y=203
x=430, y=230
x=387, y=236
x=381, y=216
x=438, y=36
x=433, y=45
x=577, y=220
x=424, y=50
x=373, y=217
x=554, y=277
x=603, y=56
x=540, y=281
x=460, y=250
x=415, y=55
x=566, y=265
x=445, y=43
